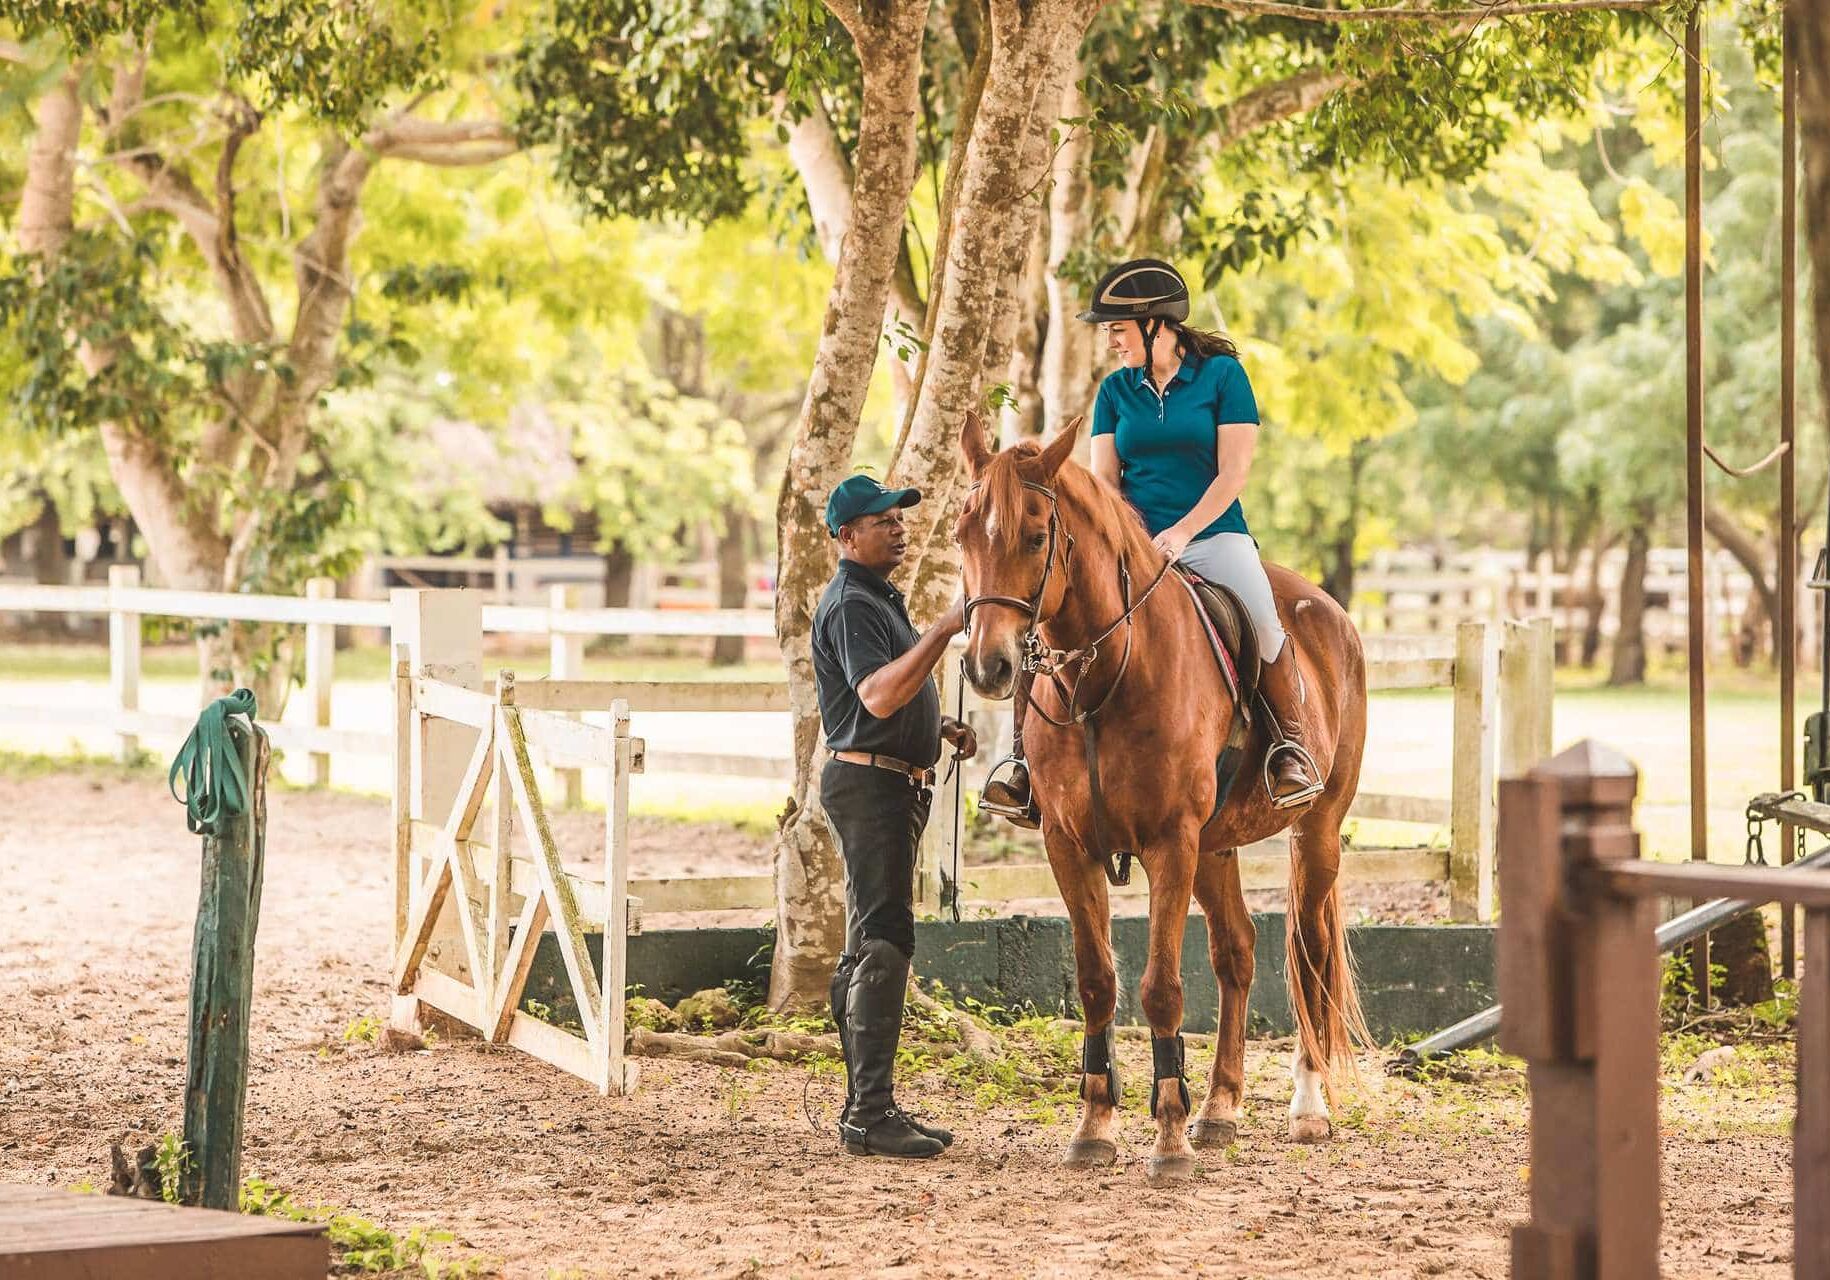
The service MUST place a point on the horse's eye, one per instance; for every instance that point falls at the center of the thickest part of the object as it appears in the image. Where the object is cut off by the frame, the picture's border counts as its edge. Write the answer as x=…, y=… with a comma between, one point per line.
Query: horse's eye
x=1037, y=541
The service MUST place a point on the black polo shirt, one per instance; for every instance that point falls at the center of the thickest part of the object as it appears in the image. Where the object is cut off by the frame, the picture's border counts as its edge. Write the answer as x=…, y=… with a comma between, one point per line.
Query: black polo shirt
x=861, y=625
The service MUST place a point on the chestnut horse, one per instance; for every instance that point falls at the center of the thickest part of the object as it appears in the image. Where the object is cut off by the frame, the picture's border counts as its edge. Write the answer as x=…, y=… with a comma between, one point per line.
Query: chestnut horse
x=1055, y=561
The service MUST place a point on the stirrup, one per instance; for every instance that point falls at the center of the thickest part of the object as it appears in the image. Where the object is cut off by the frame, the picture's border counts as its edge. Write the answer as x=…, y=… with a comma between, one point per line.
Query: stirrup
x=1295, y=798
x=1028, y=816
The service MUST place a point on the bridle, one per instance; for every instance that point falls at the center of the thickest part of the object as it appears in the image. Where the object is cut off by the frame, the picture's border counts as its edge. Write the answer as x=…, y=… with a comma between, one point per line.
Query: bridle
x=1038, y=659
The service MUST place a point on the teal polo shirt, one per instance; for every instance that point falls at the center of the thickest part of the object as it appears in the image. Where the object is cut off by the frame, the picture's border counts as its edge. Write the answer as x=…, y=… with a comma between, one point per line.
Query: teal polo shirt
x=1166, y=458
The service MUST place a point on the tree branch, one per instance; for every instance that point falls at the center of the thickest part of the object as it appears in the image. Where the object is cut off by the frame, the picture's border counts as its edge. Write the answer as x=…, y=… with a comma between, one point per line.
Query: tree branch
x=1268, y=104
x=453, y=143
x=1501, y=9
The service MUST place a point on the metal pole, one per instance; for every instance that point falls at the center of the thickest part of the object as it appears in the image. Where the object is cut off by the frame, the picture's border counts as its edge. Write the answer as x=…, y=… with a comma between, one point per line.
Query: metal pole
x=1786, y=576
x=1671, y=935
x=1693, y=463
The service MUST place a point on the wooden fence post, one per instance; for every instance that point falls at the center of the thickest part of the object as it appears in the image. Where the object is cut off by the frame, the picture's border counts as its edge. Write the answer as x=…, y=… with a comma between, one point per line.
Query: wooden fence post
x=442, y=632
x=320, y=672
x=1473, y=756
x=222, y=986
x=1579, y=987
x=1527, y=670
x=1811, y=1124
x=124, y=659
x=566, y=662
x=617, y=1076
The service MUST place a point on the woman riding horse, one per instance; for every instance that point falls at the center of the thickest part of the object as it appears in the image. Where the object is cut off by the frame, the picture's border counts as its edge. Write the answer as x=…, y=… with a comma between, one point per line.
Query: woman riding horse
x=1174, y=428
x=1133, y=723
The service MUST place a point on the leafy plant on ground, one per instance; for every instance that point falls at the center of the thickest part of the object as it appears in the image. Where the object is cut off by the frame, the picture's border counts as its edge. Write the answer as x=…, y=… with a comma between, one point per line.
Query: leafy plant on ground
x=362, y=1246
x=173, y=1160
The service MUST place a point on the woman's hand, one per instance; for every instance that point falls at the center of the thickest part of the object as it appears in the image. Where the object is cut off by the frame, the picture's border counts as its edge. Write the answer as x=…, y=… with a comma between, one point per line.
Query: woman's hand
x=1172, y=542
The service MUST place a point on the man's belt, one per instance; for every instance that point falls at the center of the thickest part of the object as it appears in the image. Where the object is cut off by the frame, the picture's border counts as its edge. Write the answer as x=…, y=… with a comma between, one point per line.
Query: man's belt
x=917, y=777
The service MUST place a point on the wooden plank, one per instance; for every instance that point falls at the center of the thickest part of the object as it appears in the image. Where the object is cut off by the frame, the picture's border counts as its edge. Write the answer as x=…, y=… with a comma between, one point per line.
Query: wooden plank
x=1808, y=888
x=565, y=744
x=29, y=598
x=1473, y=750
x=704, y=893
x=451, y=997
x=1525, y=692
x=442, y=701
x=124, y=657
x=512, y=975
x=566, y=661
x=1533, y=975
x=553, y=880
x=1414, y=673
x=1624, y=977
x=551, y=1045
x=1811, y=1126
x=320, y=673
x=46, y=1233
x=614, y=918
x=402, y=799
x=327, y=742
x=165, y=603
x=1431, y=810
x=653, y=695
x=1397, y=648
x=721, y=765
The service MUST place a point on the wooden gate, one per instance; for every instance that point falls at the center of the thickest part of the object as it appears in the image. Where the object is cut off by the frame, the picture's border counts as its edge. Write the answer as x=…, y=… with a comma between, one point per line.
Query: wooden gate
x=1579, y=982
x=469, y=914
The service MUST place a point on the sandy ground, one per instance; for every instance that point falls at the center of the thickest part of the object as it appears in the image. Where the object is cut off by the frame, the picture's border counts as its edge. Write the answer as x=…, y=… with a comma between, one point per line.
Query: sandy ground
x=708, y=1172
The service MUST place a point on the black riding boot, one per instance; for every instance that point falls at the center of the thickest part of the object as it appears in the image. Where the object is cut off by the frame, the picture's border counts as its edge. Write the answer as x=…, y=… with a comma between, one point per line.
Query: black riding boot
x=840, y=993
x=873, y=1013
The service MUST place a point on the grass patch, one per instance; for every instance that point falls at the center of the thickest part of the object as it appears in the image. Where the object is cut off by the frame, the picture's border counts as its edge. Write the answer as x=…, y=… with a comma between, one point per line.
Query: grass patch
x=35, y=764
x=359, y=1246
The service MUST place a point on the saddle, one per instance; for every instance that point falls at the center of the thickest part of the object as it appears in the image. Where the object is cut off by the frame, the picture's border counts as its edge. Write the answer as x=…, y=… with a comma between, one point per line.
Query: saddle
x=1230, y=632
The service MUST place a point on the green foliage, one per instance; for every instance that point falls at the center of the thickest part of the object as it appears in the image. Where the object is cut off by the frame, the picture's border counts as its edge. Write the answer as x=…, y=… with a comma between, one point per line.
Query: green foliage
x=84, y=24
x=363, y=1030
x=173, y=1160
x=362, y=1246
x=339, y=61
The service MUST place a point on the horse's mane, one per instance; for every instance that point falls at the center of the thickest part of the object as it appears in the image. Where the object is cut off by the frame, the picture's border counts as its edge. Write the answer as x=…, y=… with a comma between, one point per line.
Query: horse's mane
x=999, y=491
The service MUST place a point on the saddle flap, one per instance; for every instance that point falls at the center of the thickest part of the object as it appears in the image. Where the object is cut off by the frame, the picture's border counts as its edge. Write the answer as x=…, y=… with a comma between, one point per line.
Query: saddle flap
x=1233, y=628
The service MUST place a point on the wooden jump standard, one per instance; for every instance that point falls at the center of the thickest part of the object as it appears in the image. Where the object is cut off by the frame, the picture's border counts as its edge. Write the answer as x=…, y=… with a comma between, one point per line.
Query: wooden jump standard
x=1579, y=982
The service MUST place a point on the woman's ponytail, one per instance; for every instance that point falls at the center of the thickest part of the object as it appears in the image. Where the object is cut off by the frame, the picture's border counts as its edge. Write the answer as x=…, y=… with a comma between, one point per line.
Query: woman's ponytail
x=1205, y=342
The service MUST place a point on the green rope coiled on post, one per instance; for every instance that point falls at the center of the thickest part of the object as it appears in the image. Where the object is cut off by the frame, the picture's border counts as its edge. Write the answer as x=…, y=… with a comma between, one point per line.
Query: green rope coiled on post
x=215, y=787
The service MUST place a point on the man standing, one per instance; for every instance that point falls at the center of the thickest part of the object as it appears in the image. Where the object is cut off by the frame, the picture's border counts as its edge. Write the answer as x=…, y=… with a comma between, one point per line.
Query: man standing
x=881, y=713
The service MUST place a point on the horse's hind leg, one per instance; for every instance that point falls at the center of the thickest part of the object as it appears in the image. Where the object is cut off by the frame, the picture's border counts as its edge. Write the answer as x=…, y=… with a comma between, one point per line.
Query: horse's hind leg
x=1230, y=939
x=1083, y=889
x=1322, y=993
x=1172, y=874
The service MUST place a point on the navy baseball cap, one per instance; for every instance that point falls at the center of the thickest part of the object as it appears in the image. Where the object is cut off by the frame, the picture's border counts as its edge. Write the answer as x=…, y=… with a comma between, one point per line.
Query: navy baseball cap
x=857, y=496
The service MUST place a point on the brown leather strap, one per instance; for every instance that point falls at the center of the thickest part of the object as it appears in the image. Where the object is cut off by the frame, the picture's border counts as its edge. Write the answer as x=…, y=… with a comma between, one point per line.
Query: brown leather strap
x=919, y=777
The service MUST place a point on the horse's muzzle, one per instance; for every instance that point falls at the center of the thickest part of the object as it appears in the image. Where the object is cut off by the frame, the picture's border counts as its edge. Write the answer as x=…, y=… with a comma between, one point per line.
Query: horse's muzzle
x=993, y=675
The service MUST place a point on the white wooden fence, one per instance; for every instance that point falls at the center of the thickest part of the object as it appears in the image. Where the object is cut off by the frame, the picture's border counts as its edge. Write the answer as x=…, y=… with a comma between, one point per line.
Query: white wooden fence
x=1500, y=673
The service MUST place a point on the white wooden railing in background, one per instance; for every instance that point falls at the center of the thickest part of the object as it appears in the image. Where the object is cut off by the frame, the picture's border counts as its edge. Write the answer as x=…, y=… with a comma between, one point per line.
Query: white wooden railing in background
x=1500, y=672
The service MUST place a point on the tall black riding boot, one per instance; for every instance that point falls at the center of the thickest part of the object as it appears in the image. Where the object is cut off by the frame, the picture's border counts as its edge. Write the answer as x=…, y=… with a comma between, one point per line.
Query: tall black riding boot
x=876, y=1127
x=1290, y=773
x=841, y=997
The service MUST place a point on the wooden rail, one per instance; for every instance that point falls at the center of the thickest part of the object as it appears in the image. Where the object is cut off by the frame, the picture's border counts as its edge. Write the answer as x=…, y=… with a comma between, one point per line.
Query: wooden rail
x=1579, y=982
x=1499, y=675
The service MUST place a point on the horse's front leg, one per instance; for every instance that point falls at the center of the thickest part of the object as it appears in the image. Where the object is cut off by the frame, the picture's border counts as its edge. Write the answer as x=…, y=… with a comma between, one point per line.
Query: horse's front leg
x=1083, y=889
x=1172, y=874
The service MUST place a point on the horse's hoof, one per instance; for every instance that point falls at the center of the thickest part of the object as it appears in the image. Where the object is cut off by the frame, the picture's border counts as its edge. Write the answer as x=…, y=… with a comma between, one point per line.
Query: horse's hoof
x=1311, y=1129
x=1090, y=1153
x=1163, y=1171
x=1213, y=1133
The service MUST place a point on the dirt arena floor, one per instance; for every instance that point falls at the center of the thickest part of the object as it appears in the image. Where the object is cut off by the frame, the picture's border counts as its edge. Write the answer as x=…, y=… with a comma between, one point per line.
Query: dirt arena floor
x=710, y=1172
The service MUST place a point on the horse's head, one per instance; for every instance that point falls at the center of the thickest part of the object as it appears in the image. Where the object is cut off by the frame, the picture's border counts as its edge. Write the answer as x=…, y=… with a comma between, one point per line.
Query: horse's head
x=1014, y=551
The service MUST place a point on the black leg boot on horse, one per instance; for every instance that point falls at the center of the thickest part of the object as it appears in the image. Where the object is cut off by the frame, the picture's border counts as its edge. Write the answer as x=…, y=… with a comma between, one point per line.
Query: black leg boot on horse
x=874, y=1125
x=1290, y=774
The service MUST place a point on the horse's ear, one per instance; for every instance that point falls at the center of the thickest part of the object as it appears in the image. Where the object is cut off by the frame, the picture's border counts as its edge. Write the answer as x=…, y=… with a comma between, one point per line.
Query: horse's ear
x=1061, y=448
x=972, y=444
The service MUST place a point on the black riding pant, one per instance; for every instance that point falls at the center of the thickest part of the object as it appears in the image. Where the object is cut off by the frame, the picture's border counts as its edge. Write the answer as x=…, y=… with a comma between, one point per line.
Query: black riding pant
x=878, y=817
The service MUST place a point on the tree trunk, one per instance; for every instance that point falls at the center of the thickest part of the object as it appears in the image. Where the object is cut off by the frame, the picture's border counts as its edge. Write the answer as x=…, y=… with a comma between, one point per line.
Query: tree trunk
x=1750, y=554
x=1068, y=349
x=1740, y=948
x=809, y=910
x=733, y=580
x=990, y=225
x=1594, y=602
x=1629, y=665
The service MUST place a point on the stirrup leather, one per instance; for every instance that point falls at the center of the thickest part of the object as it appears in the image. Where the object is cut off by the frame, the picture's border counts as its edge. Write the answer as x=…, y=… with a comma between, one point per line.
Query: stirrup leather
x=1029, y=815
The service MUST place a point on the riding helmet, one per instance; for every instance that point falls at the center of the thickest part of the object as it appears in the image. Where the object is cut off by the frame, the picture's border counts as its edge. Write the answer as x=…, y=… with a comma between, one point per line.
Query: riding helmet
x=1142, y=289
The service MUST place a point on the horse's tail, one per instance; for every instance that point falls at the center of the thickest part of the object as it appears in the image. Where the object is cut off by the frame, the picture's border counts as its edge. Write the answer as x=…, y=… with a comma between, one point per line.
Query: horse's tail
x=1324, y=992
